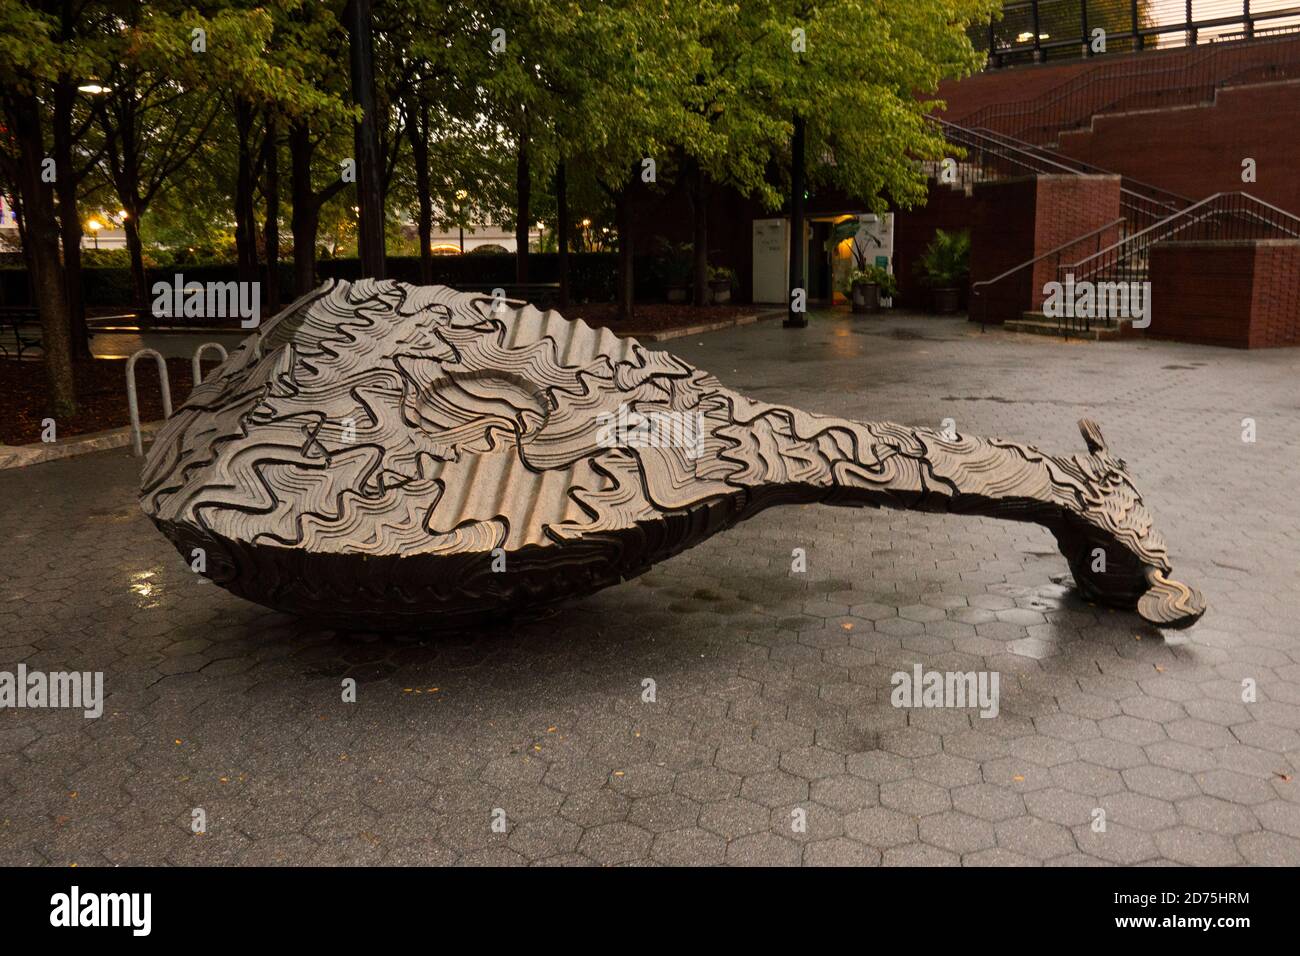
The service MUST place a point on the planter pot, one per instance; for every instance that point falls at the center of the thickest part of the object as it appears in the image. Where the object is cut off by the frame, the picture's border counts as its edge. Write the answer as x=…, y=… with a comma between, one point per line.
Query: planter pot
x=947, y=301
x=677, y=294
x=721, y=291
x=866, y=297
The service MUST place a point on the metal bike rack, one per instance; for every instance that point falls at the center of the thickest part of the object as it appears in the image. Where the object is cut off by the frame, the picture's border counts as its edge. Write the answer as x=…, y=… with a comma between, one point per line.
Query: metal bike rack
x=137, y=444
x=198, y=356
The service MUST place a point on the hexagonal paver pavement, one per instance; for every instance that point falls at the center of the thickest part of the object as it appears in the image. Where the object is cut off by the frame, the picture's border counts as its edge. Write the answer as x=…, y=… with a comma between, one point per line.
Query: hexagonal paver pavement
x=771, y=739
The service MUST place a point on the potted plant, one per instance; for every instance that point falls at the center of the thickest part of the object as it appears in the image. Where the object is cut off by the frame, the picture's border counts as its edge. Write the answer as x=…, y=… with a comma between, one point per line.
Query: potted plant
x=945, y=266
x=866, y=287
x=848, y=229
x=674, y=261
x=720, y=280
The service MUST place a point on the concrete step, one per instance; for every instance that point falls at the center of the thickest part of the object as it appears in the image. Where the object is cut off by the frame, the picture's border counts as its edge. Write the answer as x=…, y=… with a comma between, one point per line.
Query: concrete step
x=1036, y=323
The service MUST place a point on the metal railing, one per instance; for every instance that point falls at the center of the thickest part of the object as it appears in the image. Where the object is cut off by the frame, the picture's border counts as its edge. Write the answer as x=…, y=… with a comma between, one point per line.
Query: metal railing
x=980, y=292
x=133, y=405
x=1223, y=217
x=196, y=368
x=1138, y=84
x=1141, y=203
x=1034, y=31
x=991, y=156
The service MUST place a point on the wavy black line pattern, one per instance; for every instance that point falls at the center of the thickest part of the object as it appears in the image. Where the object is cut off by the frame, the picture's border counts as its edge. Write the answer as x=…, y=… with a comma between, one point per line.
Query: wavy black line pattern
x=392, y=456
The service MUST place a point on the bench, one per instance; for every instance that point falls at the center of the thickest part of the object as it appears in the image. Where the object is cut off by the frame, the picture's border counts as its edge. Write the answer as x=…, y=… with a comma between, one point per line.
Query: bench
x=24, y=323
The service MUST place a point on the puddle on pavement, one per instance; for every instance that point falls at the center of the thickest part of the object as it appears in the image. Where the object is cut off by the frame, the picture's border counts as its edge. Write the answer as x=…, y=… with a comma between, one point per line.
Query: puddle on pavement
x=147, y=589
x=115, y=515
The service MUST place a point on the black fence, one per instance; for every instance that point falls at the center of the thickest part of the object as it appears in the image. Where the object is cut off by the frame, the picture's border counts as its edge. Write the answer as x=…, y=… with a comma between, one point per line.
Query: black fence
x=592, y=276
x=1034, y=31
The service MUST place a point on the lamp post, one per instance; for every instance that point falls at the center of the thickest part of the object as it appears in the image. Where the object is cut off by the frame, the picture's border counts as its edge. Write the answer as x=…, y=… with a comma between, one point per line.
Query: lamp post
x=94, y=226
x=797, y=318
x=460, y=198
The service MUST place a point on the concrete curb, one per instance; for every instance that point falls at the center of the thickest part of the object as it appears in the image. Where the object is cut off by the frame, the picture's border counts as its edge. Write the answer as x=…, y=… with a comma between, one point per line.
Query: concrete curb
x=664, y=335
x=20, y=456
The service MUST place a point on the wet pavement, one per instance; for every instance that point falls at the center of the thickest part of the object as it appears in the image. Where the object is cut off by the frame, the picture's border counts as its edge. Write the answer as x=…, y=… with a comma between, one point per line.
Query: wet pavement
x=767, y=734
x=168, y=344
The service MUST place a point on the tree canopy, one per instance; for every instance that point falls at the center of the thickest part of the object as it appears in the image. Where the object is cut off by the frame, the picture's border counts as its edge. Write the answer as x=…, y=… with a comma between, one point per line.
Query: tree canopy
x=211, y=126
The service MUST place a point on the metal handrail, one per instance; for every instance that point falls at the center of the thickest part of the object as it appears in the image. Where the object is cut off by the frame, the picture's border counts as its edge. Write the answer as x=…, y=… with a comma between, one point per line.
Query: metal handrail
x=1067, y=88
x=1141, y=34
x=1105, y=73
x=1040, y=154
x=976, y=289
x=1136, y=197
x=1220, y=215
x=1185, y=212
x=1039, y=258
x=1079, y=165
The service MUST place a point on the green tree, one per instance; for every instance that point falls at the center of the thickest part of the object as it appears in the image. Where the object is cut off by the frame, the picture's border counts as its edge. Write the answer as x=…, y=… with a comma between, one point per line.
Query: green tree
x=864, y=78
x=31, y=60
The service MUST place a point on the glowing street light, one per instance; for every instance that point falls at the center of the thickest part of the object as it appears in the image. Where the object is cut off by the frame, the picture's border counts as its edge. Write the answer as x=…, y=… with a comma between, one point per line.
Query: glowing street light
x=461, y=196
x=94, y=89
x=94, y=226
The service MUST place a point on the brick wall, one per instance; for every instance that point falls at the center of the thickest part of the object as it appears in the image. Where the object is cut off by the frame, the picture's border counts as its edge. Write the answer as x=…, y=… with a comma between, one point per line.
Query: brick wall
x=1031, y=83
x=1276, y=298
x=1016, y=220
x=1242, y=294
x=1068, y=207
x=945, y=208
x=1197, y=151
x=1002, y=236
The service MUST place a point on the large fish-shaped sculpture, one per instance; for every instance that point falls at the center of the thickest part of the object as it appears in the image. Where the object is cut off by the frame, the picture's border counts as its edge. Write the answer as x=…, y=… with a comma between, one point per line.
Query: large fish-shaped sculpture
x=392, y=456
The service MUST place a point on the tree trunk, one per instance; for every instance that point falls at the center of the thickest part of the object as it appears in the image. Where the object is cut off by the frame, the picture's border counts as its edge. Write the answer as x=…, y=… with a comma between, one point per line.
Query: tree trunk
x=562, y=231
x=42, y=235
x=418, y=133
x=797, y=319
x=523, y=189
x=623, y=211
x=69, y=218
x=306, y=210
x=139, y=282
x=700, y=243
x=271, y=229
x=370, y=175
x=245, y=223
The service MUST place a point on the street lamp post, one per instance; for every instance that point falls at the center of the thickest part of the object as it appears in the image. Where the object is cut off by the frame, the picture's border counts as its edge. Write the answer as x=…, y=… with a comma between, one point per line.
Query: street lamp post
x=94, y=226
x=796, y=316
x=460, y=198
